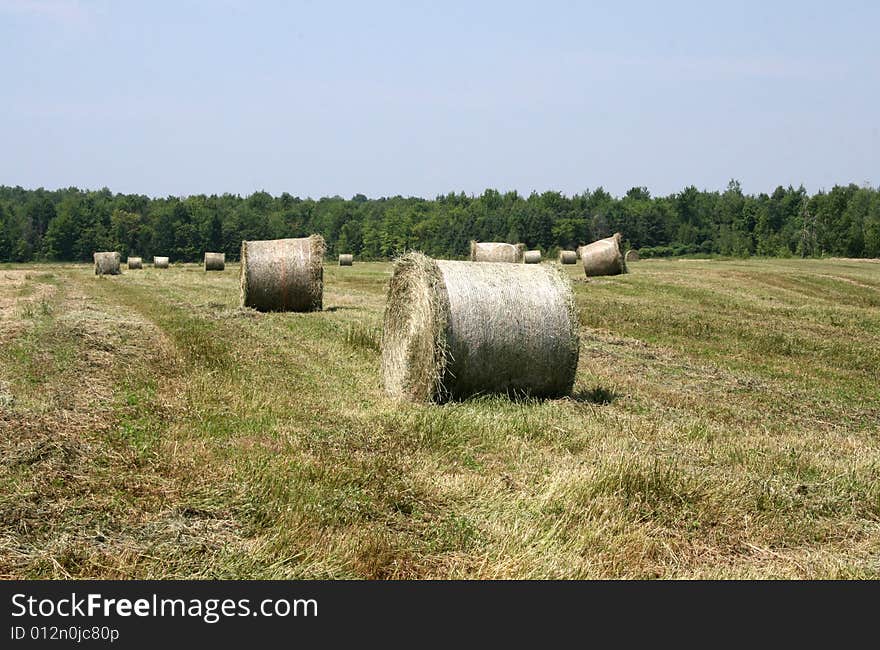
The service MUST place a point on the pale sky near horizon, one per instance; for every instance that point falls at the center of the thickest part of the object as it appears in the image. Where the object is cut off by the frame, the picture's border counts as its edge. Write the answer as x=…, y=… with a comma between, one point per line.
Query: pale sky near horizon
x=417, y=98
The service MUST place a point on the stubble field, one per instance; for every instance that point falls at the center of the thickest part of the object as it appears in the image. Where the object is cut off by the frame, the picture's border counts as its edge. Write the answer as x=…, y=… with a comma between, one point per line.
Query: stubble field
x=725, y=423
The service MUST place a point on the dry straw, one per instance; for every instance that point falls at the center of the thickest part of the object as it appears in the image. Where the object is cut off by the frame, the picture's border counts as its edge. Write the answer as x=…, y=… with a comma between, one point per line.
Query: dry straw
x=496, y=252
x=532, y=257
x=346, y=259
x=135, y=263
x=454, y=329
x=603, y=257
x=215, y=261
x=283, y=274
x=107, y=263
x=632, y=255
x=568, y=257
x=160, y=262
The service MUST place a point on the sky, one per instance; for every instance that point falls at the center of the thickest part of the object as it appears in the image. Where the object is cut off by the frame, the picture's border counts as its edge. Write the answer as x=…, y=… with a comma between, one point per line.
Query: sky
x=425, y=98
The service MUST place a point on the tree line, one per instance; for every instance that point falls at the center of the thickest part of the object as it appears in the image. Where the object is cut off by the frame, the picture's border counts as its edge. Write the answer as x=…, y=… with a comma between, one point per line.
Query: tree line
x=70, y=224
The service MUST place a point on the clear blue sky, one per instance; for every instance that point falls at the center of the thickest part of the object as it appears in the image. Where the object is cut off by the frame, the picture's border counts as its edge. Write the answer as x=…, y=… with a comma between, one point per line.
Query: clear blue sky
x=418, y=98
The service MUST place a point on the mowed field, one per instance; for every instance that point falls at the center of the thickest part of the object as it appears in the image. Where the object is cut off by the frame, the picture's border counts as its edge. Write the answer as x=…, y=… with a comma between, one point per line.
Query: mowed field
x=725, y=423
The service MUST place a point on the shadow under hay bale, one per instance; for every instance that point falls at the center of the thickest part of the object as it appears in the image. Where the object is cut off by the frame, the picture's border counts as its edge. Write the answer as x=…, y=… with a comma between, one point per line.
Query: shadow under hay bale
x=532, y=257
x=603, y=257
x=283, y=274
x=456, y=329
x=568, y=257
x=497, y=252
x=346, y=259
x=632, y=255
x=215, y=261
x=135, y=263
x=160, y=262
x=107, y=263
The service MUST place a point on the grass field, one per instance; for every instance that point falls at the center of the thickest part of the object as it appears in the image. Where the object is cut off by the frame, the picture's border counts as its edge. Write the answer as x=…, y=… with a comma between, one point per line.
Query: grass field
x=725, y=423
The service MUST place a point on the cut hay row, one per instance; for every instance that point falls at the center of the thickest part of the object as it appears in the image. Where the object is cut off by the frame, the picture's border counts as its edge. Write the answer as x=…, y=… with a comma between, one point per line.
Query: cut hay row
x=160, y=262
x=603, y=257
x=215, y=261
x=454, y=329
x=283, y=274
x=107, y=263
x=346, y=260
x=135, y=263
x=532, y=257
x=568, y=257
x=497, y=252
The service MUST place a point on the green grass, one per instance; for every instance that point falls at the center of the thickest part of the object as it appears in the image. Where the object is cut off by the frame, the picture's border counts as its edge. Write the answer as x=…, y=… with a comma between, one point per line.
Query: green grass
x=725, y=422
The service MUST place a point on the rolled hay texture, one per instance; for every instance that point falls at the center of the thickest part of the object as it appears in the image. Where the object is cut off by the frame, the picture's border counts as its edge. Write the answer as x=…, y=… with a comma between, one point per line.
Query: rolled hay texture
x=532, y=257
x=603, y=257
x=454, y=329
x=346, y=259
x=632, y=255
x=568, y=257
x=497, y=252
x=160, y=262
x=283, y=274
x=215, y=261
x=107, y=263
x=135, y=263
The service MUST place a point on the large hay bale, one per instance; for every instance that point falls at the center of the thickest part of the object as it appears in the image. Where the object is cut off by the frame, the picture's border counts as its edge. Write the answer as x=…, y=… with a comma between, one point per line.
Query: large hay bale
x=632, y=255
x=135, y=263
x=568, y=257
x=497, y=252
x=160, y=262
x=346, y=259
x=107, y=263
x=283, y=274
x=454, y=329
x=215, y=261
x=603, y=257
x=532, y=257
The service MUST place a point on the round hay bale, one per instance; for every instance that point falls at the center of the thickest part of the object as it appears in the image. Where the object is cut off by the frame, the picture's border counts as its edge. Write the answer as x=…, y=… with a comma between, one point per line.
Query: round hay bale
x=632, y=255
x=603, y=257
x=160, y=262
x=135, y=263
x=532, y=257
x=215, y=261
x=568, y=257
x=283, y=274
x=107, y=263
x=454, y=329
x=346, y=259
x=497, y=252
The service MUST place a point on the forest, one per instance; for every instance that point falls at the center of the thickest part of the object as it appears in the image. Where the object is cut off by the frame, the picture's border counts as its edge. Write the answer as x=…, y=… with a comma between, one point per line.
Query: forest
x=70, y=224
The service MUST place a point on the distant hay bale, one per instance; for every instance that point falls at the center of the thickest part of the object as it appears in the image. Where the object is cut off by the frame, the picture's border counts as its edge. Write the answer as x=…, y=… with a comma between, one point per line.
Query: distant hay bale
x=497, y=252
x=107, y=263
x=135, y=263
x=283, y=274
x=215, y=261
x=454, y=329
x=532, y=257
x=568, y=257
x=632, y=255
x=346, y=259
x=160, y=262
x=603, y=257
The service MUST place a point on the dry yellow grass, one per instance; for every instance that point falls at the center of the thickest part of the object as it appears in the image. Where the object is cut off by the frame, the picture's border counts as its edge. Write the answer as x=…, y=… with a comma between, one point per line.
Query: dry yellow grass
x=724, y=424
